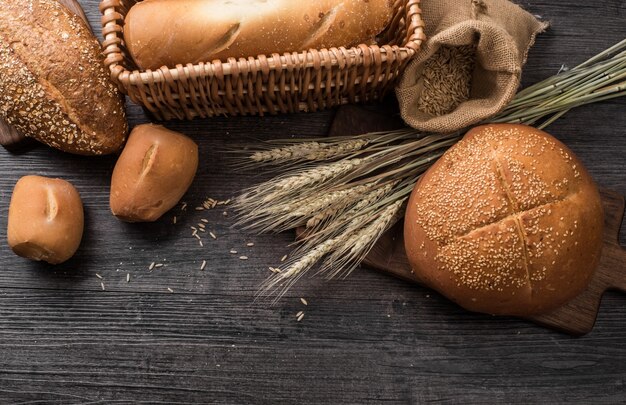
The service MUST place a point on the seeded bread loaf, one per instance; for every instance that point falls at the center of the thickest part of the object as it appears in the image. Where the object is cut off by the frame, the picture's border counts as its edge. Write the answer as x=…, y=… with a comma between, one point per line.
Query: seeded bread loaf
x=507, y=222
x=169, y=32
x=53, y=85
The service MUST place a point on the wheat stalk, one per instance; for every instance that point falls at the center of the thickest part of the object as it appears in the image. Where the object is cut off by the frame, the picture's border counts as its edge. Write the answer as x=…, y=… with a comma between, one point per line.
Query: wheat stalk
x=348, y=191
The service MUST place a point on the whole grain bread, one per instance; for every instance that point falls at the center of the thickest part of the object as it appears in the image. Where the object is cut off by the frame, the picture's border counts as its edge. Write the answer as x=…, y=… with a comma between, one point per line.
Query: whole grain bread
x=53, y=85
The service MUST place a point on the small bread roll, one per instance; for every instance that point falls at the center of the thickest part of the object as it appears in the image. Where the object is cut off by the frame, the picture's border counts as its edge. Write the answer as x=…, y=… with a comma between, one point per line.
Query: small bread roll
x=507, y=222
x=45, y=219
x=154, y=171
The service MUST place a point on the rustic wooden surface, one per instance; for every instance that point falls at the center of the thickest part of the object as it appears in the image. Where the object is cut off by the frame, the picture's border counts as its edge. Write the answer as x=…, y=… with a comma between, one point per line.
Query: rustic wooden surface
x=367, y=339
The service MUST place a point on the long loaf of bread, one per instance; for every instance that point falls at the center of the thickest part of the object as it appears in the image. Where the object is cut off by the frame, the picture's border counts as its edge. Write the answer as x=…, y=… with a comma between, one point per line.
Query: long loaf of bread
x=170, y=32
x=53, y=84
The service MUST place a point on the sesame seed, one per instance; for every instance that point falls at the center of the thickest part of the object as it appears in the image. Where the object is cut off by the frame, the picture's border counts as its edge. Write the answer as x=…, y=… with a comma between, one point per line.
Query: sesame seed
x=158, y=265
x=196, y=236
x=200, y=242
x=201, y=225
x=128, y=277
x=300, y=317
x=299, y=313
x=233, y=251
x=184, y=206
x=212, y=235
x=203, y=265
x=206, y=221
x=199, y=208
x=99, y=276
x=102, y=285
x=151, y=266
x=304, y=301
x=283, y=258
x=243, y=257
x=250, y=244
x=174, y=220
x=170, y=290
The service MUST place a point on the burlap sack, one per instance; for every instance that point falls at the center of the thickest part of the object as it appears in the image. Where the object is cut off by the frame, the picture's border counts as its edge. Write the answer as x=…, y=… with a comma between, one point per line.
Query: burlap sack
x=502, y=33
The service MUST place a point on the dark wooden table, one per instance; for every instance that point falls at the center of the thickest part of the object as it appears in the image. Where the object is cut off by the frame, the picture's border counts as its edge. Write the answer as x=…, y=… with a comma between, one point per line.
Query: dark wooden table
x=367, y=339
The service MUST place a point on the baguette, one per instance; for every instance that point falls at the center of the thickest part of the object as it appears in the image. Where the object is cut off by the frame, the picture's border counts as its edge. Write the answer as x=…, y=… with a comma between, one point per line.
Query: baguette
x=170, y=32
x=53, y=84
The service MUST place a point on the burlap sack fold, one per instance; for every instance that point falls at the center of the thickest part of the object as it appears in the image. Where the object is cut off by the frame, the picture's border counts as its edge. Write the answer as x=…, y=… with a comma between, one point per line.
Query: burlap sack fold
x=502, y=33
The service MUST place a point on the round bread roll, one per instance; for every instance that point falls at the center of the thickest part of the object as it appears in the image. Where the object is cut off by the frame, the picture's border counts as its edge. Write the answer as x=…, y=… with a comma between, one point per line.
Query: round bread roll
x=45, y=219
x=507, y=222
x=154, y=171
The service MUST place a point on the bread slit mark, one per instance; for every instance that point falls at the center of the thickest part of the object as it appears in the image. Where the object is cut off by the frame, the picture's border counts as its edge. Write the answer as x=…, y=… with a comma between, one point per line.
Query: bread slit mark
x=505, y=186
x=321, y=27
x=225, y=41
x=524, y=242
x=512, y=216
x=52, y=207
x=148, y=160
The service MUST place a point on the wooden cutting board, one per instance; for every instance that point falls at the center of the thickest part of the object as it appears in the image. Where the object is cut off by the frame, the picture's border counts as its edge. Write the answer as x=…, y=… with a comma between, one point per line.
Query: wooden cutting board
x=576, y=317
x=10, y=136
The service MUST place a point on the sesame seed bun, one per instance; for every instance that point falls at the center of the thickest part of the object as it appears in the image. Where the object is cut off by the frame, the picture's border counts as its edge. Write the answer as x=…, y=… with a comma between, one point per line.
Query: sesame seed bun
x=507, y=222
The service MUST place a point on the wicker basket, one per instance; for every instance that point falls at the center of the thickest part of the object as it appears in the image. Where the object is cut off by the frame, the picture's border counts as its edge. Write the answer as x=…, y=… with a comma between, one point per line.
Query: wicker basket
x=267, y=84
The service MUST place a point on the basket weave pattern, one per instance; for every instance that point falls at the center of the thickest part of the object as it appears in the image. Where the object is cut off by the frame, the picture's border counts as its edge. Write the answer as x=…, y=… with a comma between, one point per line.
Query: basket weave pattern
x=266, y=84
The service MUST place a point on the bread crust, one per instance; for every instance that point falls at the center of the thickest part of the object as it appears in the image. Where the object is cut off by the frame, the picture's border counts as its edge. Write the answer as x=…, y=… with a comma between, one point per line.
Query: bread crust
x=166, y=33
x=46, y=219
x=507, y=222
x=53, y=84
x=154, y=171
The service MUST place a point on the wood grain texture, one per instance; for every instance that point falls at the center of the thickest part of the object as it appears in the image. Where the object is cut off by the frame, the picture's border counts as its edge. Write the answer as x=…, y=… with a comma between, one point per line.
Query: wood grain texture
x=367, y=339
